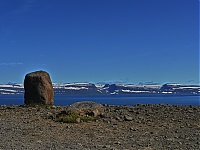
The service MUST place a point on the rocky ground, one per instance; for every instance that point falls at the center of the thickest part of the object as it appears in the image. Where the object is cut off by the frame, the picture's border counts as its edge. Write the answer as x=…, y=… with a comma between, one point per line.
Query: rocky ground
x=120, y=127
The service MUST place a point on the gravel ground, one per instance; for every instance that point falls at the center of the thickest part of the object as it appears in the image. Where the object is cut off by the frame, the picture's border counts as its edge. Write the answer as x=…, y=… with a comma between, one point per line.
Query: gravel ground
x=144, y=127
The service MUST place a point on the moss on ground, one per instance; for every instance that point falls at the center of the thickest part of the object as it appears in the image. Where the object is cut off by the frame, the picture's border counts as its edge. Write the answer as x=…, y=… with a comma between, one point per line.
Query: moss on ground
x=72, y=118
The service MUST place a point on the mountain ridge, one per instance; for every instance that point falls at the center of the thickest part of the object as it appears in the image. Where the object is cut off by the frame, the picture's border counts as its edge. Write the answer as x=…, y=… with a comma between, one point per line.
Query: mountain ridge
x=86, y=88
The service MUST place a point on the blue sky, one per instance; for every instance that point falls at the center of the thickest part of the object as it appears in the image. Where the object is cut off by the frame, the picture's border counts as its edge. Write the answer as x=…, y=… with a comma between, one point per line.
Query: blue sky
x=128, y=41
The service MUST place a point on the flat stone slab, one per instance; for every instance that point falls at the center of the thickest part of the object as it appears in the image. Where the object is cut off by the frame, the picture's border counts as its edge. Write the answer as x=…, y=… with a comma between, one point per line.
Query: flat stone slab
x=86, y=104
x=86, y=107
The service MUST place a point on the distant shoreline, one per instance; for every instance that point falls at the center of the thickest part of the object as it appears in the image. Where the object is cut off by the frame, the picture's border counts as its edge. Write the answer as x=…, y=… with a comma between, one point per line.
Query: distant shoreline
x=118, y=100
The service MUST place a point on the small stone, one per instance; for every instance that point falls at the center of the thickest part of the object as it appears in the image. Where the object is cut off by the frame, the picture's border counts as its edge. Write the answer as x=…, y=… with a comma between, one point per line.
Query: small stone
x=53, y=107
x=137, y=113
x=190, y=111
x=106, y=146
x=78, y=120
x=10, y=107
x=68, y=127
x=128, y=118
x=49, y=114
x=102, y=115
x=118, y=118
x=95, y=113
x=39, y=141
x=109, y=122
x=133, y=129
x=117, y=142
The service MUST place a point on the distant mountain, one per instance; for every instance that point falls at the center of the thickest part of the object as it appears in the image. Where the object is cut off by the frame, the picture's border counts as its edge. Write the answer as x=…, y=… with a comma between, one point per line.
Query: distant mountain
x=180, y=89
x=108, y=89
x=11, y=88
x=76, y=88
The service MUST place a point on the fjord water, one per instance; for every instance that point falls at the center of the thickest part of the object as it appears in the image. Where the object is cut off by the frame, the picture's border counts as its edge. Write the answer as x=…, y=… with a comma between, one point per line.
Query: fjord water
x=64, y=100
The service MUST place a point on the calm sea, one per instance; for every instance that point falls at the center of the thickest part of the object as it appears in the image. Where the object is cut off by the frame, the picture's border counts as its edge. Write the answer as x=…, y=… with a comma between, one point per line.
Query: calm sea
x=64, y=100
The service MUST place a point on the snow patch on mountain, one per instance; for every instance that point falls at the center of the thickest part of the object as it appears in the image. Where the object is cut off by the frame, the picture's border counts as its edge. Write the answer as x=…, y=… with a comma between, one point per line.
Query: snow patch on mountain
x=75, y=88
x=89, y=88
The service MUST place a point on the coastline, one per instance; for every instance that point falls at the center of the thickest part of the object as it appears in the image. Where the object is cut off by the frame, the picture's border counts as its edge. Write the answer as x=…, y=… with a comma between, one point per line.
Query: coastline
x=122, y=127
x=119, y=100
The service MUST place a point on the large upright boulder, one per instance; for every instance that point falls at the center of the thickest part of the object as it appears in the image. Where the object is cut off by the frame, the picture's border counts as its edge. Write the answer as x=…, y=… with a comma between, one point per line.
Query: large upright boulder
x=38, y=88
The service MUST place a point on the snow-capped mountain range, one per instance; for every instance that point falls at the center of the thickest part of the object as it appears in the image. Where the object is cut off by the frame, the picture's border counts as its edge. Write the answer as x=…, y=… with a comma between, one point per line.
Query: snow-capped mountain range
x=108, y=89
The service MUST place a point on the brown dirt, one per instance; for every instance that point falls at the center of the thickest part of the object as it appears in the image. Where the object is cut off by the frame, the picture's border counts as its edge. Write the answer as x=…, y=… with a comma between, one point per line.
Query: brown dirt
x=143, y=127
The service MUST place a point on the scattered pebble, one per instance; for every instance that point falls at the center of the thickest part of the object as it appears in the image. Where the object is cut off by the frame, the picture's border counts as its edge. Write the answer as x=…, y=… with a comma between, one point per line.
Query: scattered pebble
x=124, y=127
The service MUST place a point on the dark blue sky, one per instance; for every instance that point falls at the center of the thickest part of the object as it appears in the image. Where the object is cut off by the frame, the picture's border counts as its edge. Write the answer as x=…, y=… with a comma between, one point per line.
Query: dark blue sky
x=100, y=40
